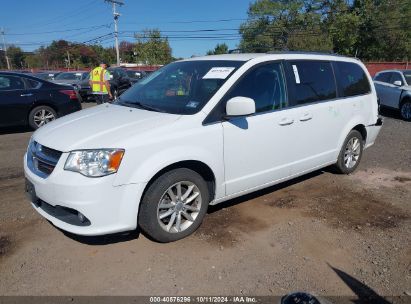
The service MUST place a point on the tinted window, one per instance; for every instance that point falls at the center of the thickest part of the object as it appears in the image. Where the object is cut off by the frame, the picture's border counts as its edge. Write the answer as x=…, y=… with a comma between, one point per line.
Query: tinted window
x=313, y=81
x=265, y=85
x=396, y=77
x=68, y=76
x=383, y=77
x=32, y=83
x=352, y=79
x=407, y=75
x=11, y=83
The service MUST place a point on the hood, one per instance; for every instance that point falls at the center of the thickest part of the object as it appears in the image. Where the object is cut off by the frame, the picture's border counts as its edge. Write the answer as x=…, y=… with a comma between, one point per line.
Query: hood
x=103, y=126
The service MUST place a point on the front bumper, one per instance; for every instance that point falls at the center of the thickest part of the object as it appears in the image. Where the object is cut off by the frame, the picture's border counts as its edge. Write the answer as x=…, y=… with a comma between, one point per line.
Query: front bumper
x=108, y=208
x=373, y=131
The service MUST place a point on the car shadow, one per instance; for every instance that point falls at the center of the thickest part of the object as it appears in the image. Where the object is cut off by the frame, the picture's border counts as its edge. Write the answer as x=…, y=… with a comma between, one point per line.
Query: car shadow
x=14, y=130
x=364, y=293
x=135, y=234
x=100, y=240
x=253, y=195
x=390, y=113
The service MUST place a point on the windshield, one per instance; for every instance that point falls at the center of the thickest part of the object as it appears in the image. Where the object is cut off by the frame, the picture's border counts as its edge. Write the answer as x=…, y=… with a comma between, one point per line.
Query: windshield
x=407, y=76
x=69, y=76
x=181, y=87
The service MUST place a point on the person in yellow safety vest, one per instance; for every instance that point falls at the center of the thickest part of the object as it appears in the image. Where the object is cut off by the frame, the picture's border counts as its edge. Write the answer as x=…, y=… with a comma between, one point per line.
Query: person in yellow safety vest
x=99, y=83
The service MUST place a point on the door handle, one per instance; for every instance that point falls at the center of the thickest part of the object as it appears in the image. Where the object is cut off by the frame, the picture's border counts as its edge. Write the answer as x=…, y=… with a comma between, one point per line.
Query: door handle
x=286, y=122
x=26, y=95
x=306, y=116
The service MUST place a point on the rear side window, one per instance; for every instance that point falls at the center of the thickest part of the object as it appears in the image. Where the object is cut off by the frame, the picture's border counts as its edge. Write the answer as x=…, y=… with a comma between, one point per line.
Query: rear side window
x=11, y=83
x=33, y=84
x=313, y=81
x=383, y=77
x=352, y=79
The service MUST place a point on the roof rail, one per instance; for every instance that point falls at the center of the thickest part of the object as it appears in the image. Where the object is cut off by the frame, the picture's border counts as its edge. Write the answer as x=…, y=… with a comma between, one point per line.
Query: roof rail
x=330, y=53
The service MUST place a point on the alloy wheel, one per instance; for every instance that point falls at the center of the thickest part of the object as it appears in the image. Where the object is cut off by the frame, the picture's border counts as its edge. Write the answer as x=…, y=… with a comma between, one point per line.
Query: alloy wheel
x=406, y=110
x=42, y=117
x=352, y=152
x=179, y=207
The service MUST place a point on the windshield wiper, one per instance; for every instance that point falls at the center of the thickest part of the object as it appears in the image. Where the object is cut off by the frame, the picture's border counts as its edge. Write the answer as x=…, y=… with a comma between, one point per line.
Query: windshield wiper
x=140, y=105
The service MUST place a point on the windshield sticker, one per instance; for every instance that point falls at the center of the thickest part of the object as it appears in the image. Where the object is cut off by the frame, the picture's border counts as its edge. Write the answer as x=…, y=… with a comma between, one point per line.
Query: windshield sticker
x=218, y=73
x=297, y=76
x=192, y=104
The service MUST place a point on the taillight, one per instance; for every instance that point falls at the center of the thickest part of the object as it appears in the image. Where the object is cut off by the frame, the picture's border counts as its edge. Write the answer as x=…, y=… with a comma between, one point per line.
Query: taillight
x=71, y=93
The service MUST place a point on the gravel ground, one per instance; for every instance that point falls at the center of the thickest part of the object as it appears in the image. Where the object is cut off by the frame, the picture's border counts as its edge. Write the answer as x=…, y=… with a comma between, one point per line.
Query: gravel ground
x=328, y=234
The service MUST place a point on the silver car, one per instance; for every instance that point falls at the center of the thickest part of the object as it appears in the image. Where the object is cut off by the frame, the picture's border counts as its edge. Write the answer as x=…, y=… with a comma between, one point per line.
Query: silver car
x=394, y=90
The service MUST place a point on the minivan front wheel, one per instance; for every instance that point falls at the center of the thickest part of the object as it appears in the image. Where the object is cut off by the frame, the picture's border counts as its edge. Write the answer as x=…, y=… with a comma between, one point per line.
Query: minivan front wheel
x=351, y=153
x=174, y=205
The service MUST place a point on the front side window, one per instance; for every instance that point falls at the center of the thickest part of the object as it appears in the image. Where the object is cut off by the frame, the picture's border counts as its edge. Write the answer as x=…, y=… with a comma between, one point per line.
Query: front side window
x=383, y=77
x=265, y=84
x=352, y=79
x=181, y=87
x=396, y=77
x=313, y=81
x=11, y=83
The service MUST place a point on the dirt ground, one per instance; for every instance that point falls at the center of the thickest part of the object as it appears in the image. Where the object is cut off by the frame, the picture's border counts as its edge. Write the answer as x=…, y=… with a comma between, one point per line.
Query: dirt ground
x=324, y=233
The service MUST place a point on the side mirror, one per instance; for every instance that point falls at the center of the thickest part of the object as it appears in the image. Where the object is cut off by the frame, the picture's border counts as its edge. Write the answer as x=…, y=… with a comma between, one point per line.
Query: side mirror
x=398, y=83
x=240, y=106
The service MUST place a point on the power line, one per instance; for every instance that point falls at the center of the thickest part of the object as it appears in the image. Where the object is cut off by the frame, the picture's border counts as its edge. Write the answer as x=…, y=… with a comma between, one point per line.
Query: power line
x=62, y=31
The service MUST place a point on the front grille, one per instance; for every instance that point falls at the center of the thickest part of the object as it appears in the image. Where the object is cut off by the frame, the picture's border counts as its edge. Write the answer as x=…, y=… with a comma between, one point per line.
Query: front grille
x=42, y=160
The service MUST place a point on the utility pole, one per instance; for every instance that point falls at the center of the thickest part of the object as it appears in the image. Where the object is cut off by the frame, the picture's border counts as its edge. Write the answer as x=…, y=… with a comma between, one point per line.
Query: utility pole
x=116, y=15
x=68, y=60
x=5, y=49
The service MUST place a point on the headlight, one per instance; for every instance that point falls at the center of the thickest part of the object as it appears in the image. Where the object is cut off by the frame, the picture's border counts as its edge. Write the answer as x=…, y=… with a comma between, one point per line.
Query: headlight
x=94, y=163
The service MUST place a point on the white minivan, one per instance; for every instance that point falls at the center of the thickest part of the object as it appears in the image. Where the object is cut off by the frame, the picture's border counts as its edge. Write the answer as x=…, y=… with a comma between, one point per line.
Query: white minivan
x=196, y=133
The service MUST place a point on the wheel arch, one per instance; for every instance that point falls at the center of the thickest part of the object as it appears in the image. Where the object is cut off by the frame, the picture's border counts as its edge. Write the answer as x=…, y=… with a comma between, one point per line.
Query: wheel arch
x=361, y=128
x=197, y=166
x=40, y=104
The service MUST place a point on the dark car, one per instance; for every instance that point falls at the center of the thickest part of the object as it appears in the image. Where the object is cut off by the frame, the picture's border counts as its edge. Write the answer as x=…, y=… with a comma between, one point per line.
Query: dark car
x=46, y=75
x=119, y=81
x=28, y=100
x=79, y=80
x=135, y=76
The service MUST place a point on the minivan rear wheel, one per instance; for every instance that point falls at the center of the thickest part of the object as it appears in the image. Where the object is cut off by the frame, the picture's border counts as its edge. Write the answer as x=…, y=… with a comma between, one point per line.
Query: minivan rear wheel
x=174, y=205
x=351, y=153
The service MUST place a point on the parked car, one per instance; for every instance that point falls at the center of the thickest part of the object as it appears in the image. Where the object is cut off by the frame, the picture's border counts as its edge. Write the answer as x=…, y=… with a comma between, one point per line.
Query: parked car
x=135, y=76
x=394, y=90
x=119, y=82
x=196, y=133
x=46, y=75
x=28, y=100
x=79, y=80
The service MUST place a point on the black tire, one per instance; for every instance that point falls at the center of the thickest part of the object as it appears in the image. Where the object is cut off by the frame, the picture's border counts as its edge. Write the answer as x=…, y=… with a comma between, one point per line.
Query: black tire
x=148, y=218
x=405, y=109
x=341, y=166
x=34, y=123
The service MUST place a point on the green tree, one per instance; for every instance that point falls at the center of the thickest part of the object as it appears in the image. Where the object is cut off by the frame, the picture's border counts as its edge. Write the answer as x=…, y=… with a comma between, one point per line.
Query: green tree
x=16, y=57
x=219, y=49
x=152, y=48
x=284, y=25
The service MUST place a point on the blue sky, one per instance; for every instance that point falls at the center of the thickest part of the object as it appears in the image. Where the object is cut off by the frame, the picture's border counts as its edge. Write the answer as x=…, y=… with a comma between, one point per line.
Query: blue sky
x=31, y=23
